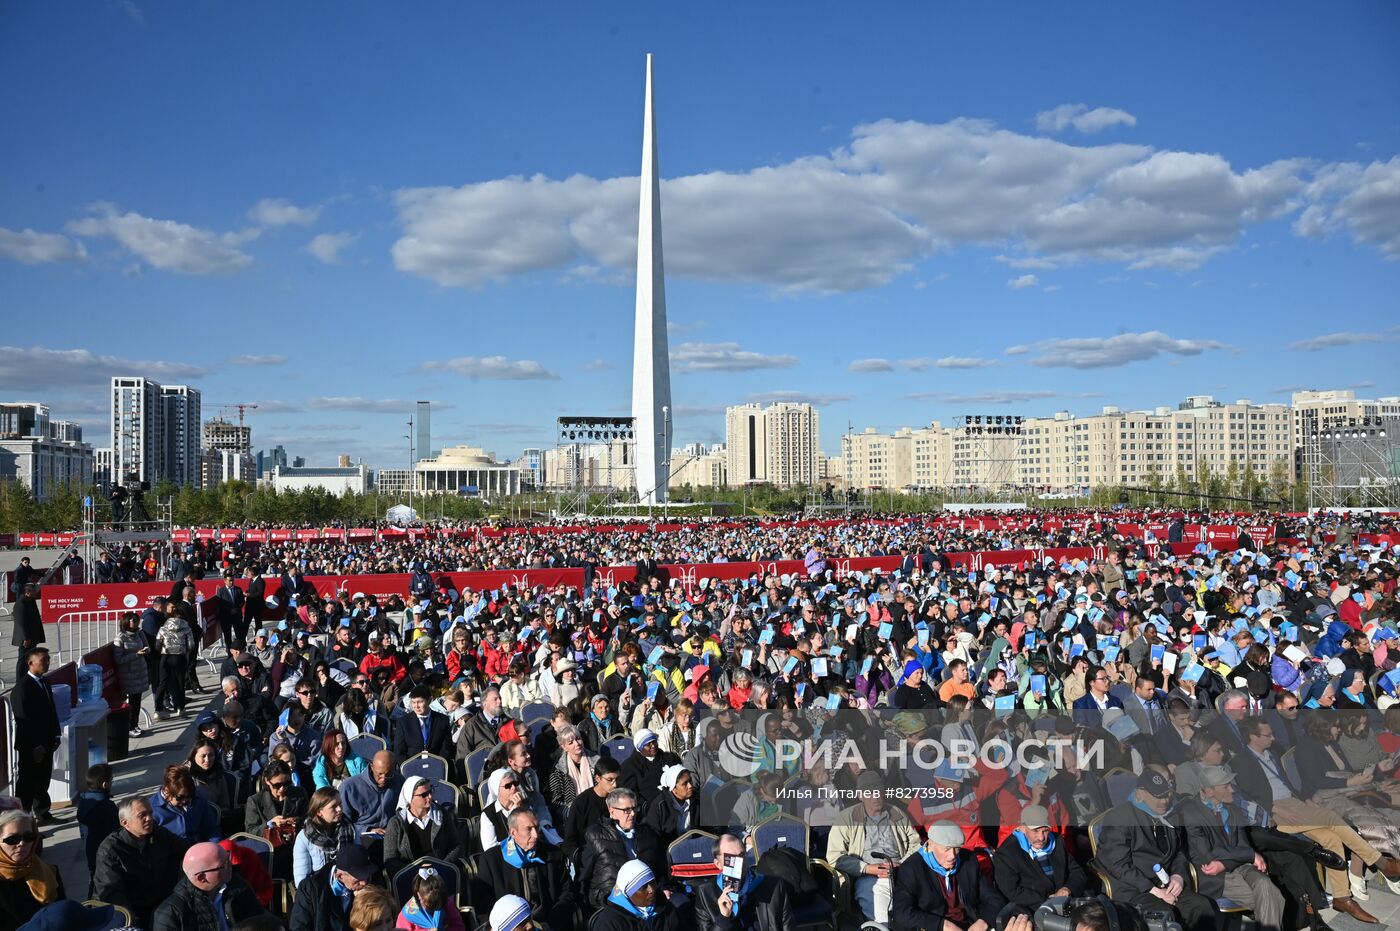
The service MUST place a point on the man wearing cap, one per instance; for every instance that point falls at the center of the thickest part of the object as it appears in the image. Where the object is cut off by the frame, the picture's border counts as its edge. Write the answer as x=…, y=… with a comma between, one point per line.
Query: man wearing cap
x=634, y=902
x=748, y=902
x=865, y=843
x=609, y=844
x=1139, y=850
x=641, y=772
x=525, y=865
x=675, y=809
x=1033, y=864
x=209, y=897
x=324, y=898
x=1217, y=838
x=941, y=887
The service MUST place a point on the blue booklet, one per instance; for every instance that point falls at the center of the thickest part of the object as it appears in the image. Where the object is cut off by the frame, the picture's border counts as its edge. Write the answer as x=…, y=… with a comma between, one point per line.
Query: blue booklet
x=1111, y=653
x=1030, y=639
x=833, y=701
x=746, y=659
x=790, y=665
x=1004, y=704
x=1076, y=650
x=866, y=664
x=1193, y=673
x=1122, y=726
x=652, y=689
x=885, y=630
x=766, y=636
x=1158, y=651
x=1198, y=642
x=819, y=666
x=1038, y=685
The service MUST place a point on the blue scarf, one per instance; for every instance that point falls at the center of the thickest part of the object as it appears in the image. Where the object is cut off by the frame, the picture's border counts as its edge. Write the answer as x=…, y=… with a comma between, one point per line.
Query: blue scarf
x=1039, y=857
x=938, y=868
x=516, y=857
x=621, y=901
x=604, y=725
x=342, y=893
x=751, y=881
x=1220, y=812
x=418, y=915
x=1148, y=811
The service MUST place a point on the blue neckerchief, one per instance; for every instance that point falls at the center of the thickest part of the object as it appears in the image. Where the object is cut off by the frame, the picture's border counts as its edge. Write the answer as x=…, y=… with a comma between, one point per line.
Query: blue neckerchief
x=1041, y=857
x=938, y=868
x=339, y=889
x=604, y=725
x=621, y=901
x=1359, y=697
x=516, y=857
x=1219, y=810
x=1141, y=807
x=418, y=915
x=751, y=881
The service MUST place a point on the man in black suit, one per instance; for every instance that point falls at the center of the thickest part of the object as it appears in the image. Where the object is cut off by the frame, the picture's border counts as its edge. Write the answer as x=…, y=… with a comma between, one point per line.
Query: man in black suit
x=424, y=729
x=526, y=865
x=256, y=596
x=29, y=625
x=231, y=618
x=36, y=732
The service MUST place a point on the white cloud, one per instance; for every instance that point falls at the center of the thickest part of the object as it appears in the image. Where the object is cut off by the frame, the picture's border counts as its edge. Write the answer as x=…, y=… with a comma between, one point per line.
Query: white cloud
x=34, y=248
x=493, y=367
x=1023, y=282
x=1083, y=119
x=328, y=246
x=38, y=368
x=258, y=360
x=1336, y=340
x=797, y=397
x=599, y=365
x=870, y=365
x=964, y=362
x=1363, y=199
x=359, y=405
x=724, y=357
x=275, y=211
x=167, y=244
x=1112, y=351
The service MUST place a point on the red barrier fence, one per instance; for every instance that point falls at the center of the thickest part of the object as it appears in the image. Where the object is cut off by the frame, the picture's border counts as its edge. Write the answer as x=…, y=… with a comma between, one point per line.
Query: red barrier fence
x=58, y=601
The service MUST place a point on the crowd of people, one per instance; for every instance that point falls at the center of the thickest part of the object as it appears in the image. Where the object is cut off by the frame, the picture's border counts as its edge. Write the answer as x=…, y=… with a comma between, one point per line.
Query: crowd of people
x=545, y=755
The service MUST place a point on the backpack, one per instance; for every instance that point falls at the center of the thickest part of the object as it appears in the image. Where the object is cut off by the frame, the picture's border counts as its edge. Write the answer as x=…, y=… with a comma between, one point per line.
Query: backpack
x=791, y=867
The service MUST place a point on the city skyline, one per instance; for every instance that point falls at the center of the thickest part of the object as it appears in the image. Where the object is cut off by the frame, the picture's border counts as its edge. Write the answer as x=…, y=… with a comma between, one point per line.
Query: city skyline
x=925, y=214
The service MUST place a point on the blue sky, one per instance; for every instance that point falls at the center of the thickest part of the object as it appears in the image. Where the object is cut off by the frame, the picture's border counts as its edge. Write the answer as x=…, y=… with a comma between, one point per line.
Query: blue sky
x=900, y=211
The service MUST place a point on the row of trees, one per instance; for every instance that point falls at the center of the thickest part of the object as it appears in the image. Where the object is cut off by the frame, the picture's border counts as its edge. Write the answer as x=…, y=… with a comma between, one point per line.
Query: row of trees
x=237, y=503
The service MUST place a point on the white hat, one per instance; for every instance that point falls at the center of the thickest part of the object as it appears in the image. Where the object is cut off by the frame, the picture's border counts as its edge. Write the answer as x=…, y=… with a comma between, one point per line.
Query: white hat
x=1336, y=666
x=509, y=913
x=633, y=876
x=671, y=775
x=493, y=782
x=946, y=835
x=643, y=737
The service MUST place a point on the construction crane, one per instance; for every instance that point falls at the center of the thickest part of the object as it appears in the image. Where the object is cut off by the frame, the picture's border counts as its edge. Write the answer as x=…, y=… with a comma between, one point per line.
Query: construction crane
x=241, y=409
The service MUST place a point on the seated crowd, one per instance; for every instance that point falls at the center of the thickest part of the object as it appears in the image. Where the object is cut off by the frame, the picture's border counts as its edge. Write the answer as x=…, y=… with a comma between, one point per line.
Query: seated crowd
x=547, y=757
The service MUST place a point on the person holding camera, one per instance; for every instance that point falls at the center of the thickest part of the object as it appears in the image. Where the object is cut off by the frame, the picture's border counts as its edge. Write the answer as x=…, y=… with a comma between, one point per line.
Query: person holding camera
x=1141, y=852
x=741, y=898
x=1033, y=864
x=941, y=887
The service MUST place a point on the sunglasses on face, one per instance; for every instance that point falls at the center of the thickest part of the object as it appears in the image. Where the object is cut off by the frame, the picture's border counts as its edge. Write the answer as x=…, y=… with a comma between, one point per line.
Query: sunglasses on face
x=14, y=840
x=278, y=785
x=183, y=799
x=427, y=794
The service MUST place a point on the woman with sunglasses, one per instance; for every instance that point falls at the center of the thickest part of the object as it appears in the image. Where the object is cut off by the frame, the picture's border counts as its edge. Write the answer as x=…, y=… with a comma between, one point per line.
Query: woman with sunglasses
x=419, y=828
x=27, y=883
x=178, y=807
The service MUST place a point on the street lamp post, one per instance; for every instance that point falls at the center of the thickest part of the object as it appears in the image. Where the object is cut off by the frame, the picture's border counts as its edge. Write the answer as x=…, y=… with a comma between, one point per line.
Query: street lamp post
x=409, y=436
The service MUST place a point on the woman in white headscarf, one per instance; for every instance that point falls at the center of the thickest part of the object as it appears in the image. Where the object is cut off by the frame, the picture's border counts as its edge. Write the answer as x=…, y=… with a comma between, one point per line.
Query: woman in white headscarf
x=503, y=797
x=419, y=828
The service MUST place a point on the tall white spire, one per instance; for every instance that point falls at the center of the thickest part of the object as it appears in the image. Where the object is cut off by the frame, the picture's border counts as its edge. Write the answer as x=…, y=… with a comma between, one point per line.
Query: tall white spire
x=651, y=359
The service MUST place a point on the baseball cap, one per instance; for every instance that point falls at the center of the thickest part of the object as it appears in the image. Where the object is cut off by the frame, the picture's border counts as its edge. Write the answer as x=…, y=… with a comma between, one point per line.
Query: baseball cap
x=946, y=835
x=1035, y=816
x=353, y=859
x=1155, y=784
x=1212, y=776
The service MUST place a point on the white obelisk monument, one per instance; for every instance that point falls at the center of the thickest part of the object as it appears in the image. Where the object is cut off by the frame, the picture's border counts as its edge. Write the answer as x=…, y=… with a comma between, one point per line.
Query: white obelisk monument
x=651, y=359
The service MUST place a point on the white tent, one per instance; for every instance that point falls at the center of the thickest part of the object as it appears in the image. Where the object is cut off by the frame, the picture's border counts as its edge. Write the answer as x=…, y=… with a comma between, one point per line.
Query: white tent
x=401, y=514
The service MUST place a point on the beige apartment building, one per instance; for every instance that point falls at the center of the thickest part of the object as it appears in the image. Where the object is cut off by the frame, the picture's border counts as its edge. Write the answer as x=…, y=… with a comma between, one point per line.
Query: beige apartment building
x=1112, y=447
x=780, y=444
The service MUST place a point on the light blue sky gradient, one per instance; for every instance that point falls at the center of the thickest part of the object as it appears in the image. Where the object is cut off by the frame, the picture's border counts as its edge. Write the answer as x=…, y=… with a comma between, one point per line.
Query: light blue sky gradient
x=373, y=203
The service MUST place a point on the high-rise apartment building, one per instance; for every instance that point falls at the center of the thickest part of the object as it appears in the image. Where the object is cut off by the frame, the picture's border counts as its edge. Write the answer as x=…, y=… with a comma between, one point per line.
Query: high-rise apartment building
x=155, y=431
x=780, y=444
x=41, y=453
x=227, y=453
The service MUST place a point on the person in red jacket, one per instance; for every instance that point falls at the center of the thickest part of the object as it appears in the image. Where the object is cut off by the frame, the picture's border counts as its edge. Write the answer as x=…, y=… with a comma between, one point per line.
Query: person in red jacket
x=495, y=660
x=969, y=789
x=383, y=656
x=248, y=864
x=1017, y=793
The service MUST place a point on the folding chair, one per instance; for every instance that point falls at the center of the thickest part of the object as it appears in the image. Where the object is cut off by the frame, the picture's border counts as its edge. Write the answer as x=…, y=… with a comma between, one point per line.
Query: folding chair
x=726, y=798
x=1120, y=784
x=1227, y=906
x=1095, y=831
x=450, y=875
x=476, y=765
x=365, y=746
x=536, y=728
x=447, y=797
x=121, y=917
x=430, y=766
x=537, y=711
x=619, y=748
x=781, y=831
x=692, y=857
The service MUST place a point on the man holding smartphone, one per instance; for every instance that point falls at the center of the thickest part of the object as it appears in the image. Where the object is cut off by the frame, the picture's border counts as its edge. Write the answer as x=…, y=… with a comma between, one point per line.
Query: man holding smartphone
x=741, y=898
